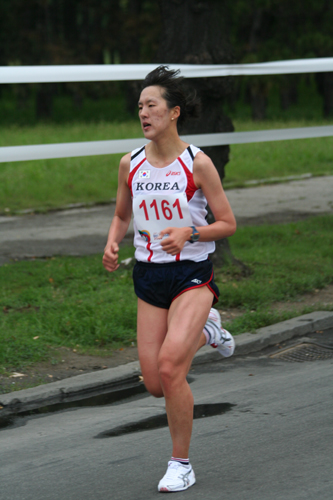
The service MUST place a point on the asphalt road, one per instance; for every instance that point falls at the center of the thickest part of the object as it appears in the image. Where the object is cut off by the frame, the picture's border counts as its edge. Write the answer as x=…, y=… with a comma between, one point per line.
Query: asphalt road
x=83, y=231
x=273, y=442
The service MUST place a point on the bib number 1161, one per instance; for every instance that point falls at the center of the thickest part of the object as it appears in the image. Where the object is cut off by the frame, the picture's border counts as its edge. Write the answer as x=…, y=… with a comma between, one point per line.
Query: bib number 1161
x=163, y=208
x=153, y=213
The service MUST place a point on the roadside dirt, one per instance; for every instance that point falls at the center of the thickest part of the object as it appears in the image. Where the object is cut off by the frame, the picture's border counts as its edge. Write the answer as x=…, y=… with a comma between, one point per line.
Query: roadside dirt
x=69, y=363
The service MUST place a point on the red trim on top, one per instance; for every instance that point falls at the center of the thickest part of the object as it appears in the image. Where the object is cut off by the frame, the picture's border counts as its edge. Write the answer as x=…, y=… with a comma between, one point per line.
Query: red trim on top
x=132, y=174
x=191, y=188
x=149, y=250
x=178, y=257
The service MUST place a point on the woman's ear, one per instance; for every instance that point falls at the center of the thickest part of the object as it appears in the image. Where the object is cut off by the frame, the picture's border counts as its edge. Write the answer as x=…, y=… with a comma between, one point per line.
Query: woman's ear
x=175, y=112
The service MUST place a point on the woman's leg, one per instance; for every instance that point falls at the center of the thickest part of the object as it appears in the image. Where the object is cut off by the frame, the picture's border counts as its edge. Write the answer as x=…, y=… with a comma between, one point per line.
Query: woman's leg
x=186, y=319
x=152, y=325
x=167, y=343
x=151, y=331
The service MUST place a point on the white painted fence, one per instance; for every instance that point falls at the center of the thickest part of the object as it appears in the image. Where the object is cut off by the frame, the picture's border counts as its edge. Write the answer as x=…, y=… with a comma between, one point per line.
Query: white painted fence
x=85, y=73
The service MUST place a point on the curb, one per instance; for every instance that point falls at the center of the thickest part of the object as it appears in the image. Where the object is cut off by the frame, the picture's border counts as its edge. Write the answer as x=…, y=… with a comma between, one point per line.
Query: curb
x=127, y=376
x=248, y=343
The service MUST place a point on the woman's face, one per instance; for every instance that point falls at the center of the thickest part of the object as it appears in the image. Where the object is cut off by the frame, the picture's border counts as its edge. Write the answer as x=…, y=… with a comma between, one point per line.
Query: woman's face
x=154, y=114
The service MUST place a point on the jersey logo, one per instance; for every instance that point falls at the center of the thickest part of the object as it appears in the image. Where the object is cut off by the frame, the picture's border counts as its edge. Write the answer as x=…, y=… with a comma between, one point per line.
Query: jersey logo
x=144, y=174
x=172, y=173
x=196, y=281
x=145, y=235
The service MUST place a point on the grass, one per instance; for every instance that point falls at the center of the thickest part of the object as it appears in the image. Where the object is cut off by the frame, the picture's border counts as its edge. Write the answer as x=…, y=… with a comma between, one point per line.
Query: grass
x=47, y=184
x=64, y=302
x=267, y=160
x=280, y=257
x=74, y=302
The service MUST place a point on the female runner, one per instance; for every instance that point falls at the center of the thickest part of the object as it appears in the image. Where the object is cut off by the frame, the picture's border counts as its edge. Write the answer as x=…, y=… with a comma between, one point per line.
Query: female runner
x=167, y=184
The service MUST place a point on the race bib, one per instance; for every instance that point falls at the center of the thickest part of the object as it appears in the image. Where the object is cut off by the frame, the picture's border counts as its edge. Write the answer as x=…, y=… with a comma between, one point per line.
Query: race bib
x=152, y=213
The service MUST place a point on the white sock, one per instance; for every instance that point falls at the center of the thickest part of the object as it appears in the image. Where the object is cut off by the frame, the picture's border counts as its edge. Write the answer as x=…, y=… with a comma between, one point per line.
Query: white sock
x=207, y=334
x=183, y=461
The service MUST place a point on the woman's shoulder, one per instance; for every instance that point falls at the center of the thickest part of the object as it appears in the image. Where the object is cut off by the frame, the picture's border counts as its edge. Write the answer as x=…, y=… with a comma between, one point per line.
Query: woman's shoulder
x=126, y=158
x=201, y=160
x=203, y=169
x=125, y=163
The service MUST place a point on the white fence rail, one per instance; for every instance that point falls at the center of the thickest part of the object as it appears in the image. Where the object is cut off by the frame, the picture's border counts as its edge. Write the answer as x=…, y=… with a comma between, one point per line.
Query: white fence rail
x=85, y=73
x=122, y=72
x=92, y=148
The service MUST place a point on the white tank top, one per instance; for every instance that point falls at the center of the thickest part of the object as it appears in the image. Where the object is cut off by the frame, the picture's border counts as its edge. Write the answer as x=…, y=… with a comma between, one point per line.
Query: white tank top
x=166, y=197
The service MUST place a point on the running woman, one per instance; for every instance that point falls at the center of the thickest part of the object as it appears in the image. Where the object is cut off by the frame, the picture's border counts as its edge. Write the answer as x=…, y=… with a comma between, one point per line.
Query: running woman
x=167, y=184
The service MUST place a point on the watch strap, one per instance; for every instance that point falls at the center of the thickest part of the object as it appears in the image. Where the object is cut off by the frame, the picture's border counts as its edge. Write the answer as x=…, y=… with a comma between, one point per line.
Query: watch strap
x=195, y=234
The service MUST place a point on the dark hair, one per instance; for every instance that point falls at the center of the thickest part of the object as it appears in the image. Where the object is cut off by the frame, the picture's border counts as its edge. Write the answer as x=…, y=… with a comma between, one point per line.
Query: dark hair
x=173, y=92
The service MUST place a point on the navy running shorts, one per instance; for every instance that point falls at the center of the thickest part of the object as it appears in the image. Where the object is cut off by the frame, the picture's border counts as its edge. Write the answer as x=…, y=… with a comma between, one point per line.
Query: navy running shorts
x=160, y=284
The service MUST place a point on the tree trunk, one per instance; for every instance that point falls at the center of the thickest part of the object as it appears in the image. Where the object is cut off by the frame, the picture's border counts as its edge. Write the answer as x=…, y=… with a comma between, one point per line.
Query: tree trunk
x=258, y=96
x=195, y=32
x=224, y=256
x=288, y=92
x=44, y=100
x=325, y=87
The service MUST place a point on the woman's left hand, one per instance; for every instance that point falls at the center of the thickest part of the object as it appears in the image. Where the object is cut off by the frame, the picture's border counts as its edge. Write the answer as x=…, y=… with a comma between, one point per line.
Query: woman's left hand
x=175, y=240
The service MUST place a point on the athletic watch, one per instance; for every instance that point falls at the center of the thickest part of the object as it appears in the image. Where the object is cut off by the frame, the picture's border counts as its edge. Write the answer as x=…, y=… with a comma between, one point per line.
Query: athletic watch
x=195, y=234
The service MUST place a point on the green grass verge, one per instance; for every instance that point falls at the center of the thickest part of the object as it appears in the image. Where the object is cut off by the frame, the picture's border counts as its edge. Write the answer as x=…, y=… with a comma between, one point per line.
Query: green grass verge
x=74, y=302
x=46, y=184
x=64, y=302
x=265, y=160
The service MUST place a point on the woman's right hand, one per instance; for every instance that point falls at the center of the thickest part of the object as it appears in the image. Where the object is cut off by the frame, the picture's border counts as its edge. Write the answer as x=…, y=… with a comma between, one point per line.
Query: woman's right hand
x=110, y=257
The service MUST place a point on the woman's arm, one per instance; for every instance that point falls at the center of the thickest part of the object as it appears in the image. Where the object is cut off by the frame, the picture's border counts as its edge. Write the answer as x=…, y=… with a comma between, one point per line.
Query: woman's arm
x=121, y=219
x=205, y=177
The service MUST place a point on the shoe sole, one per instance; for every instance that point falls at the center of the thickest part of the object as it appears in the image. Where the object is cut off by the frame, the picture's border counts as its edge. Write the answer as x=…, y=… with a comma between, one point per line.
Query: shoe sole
x=165, y=490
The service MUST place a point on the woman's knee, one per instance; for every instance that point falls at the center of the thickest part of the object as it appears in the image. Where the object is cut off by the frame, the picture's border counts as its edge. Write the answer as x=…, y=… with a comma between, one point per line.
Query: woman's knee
x=153, y=387
x=170, y=373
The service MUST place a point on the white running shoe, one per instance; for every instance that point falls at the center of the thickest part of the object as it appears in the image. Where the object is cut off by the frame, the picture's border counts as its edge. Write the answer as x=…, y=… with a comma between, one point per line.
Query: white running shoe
x=178, y=477
x=219, y=338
